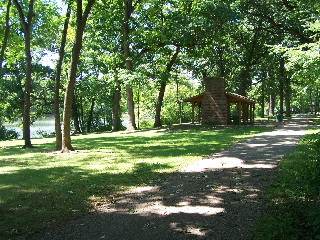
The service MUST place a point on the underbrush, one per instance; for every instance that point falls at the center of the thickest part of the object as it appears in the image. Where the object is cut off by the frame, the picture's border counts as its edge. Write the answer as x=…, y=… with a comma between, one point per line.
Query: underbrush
x=293, y=211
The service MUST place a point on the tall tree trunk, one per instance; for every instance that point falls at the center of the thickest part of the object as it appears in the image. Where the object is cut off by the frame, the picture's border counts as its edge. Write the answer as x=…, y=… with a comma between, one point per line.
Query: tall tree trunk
x=77, y=46
x=169, y=66
x=58, y=81
x=116, y=122
x=262, y=97
x=76, y=116
x=129, y=63
x=272, y=100
x=27, y=27
x=281, y=85
x=287, y=96
x=221, y=64
x=5, y=37
x=245, y=74
x=90, y=118
x=245, y=78
x=157, y=121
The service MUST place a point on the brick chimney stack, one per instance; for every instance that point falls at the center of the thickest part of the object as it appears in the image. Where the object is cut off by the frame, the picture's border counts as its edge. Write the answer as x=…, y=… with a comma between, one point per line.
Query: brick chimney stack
x=215, y=104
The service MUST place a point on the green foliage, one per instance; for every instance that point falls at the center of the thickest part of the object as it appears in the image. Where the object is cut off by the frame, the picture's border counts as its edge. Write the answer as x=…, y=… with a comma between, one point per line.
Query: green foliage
x=294, y=209
x=7, y=134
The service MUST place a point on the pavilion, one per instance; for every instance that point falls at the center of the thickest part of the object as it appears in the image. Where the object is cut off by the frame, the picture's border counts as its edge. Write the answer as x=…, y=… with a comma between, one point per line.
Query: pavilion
x=215, y=103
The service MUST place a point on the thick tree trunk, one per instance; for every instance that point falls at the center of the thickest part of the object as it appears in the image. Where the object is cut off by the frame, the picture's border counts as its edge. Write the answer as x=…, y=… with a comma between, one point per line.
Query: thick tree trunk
x=116, y=122
x=245, y=78
x=77, y=46
x=27, y=27
x=58, y=82
x=130, y=104
x=271, y=105
x=129, y=64
x=5, y=37
x=157, y=122
x=27, y=102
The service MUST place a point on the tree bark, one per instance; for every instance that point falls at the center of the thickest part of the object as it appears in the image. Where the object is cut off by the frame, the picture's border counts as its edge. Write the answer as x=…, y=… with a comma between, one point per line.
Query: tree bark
x=5, y=37
x=245, y=74
x=287, y=96
x=262, y=97
x=281, y=85
x=169, y=66
x=271, y=105
x=58, y=81
x=129, y=64
x=27, y=27
x=90, y=118
x=157, y=121
x=221, y=64
x=116, y=122
x=77, y=46
x=76, y=116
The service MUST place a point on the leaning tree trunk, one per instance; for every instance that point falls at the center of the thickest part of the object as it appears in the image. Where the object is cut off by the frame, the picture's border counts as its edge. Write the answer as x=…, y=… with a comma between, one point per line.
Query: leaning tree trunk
x=77, y=46
x=27, y=27
x=169, y=66
x=6, y=36
x=58, y=82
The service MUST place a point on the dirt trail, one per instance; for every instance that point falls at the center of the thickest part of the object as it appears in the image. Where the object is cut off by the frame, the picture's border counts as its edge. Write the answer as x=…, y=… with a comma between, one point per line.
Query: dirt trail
x=215, y=198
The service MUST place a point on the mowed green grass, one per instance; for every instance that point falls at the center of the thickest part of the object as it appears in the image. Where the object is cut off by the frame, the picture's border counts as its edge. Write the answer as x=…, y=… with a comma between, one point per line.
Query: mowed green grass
x=40, y=189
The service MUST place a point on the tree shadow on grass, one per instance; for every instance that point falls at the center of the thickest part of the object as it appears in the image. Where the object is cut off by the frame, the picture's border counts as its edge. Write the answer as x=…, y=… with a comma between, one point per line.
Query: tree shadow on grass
x=208, y=204
x=35, y=199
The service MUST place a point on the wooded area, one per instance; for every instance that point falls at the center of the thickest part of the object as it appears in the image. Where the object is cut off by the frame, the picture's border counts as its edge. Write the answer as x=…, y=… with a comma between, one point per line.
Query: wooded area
x=96, y=61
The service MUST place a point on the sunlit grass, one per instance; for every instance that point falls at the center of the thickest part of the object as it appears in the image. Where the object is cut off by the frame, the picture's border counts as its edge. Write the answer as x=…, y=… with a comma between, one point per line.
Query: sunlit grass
x=40, y=188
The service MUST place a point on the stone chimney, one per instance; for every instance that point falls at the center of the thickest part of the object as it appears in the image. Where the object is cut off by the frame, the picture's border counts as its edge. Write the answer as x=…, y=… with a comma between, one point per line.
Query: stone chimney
x=214, y=104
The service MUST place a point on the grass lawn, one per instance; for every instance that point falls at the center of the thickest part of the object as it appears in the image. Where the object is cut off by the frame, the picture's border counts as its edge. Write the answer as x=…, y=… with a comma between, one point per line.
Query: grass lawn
x=294, y=208
x=40, y=189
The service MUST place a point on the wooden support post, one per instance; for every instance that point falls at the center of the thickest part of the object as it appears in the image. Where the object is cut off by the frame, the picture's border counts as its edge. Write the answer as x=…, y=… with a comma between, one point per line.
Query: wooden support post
x=193, y=103
x=239, y=111
x=199, y=113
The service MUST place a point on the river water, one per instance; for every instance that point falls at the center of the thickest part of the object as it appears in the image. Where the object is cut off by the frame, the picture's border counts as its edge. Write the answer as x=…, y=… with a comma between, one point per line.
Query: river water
x=45, y=126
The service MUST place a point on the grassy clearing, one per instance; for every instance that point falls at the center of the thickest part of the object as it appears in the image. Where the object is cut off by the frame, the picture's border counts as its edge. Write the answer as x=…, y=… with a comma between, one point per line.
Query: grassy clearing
x=40, y=189
x=294, y=199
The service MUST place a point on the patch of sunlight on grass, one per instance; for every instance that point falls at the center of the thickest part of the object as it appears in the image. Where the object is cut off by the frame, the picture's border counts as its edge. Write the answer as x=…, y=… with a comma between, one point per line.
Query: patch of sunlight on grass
x=8, y=169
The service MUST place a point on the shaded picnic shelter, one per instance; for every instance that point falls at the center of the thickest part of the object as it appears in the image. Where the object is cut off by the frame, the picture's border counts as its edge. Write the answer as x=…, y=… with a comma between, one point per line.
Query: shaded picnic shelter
x=214, y=105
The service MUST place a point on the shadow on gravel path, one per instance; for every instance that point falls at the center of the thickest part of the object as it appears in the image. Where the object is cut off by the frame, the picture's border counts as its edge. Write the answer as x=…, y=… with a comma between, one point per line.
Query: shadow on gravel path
x=215, y=198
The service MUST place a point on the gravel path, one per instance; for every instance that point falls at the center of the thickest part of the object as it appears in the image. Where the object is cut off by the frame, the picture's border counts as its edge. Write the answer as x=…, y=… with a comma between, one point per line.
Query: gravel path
x=215, y=198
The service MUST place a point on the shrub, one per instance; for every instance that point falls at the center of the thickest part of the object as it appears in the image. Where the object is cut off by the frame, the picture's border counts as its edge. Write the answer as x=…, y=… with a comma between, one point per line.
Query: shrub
x=7, y=134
